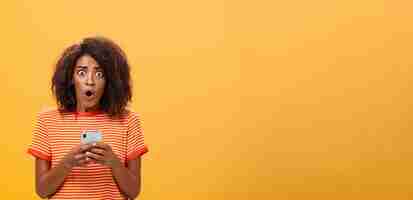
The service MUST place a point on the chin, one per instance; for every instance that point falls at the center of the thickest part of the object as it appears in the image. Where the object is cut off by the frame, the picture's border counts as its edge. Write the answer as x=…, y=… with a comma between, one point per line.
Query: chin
x=91, y=106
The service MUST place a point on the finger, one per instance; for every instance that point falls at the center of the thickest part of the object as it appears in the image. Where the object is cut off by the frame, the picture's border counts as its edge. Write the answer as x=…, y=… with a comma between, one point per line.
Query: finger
x=79, y=156
x=85, y=147
x=94, y=156
x=101, y=145
x=84, y=161
x=98, y=151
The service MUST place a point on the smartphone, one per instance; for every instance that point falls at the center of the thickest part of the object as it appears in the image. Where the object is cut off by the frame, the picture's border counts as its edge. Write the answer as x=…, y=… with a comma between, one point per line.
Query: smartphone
x=90, y=136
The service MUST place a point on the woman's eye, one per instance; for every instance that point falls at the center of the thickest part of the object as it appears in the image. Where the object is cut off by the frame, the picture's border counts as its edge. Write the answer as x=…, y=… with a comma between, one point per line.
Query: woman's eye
x=99, y=75
x=81, y=73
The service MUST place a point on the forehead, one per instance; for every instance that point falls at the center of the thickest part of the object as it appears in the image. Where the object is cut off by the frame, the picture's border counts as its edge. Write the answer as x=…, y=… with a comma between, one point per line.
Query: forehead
x=86, y=60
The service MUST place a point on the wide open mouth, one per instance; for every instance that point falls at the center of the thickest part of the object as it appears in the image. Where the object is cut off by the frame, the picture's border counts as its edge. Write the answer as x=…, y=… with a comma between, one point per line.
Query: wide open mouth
x=89, y=93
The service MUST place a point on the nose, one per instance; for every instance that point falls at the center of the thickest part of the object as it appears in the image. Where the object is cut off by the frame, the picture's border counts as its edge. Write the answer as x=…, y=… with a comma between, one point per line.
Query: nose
x=90, y=79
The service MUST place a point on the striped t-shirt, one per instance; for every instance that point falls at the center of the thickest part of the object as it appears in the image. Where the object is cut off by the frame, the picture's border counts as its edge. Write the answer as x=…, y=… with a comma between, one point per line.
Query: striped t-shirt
x=56, y=133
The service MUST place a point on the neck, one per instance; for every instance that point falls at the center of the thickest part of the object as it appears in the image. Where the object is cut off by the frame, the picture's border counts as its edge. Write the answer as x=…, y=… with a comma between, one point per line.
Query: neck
x=80, y=108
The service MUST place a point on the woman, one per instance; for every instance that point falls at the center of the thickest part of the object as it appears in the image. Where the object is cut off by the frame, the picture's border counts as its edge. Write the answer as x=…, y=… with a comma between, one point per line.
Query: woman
x=92, y=87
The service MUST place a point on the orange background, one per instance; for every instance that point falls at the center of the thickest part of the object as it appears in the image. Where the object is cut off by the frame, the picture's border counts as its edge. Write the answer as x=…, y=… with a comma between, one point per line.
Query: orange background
x=239, y=99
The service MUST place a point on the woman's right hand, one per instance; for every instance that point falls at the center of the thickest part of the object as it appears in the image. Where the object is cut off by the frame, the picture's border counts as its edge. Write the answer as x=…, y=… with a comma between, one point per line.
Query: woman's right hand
x=77, y=156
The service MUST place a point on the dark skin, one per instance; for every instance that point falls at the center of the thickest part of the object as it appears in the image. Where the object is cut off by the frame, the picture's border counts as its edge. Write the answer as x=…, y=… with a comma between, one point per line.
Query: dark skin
x=49, y=180
x=88, y=76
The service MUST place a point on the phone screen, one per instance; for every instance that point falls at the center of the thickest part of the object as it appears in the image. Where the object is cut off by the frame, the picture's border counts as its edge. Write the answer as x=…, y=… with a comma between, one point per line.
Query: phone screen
x=90, y=136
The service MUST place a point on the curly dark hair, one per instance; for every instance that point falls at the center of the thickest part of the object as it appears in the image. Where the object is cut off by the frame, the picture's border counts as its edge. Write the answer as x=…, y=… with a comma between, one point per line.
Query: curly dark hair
x=118, y=87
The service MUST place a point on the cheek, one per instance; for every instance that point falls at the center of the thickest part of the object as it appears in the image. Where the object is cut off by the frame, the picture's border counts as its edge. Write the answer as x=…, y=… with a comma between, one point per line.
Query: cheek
x=76, y=85
x=101, y=87
x=76, y=81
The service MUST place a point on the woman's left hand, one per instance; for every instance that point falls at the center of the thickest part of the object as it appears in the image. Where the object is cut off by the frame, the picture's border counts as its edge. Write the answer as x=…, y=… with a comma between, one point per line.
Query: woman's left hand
x=102, y=153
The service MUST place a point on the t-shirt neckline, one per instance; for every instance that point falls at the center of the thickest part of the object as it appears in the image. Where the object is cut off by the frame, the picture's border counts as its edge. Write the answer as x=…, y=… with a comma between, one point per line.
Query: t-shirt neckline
x=92, y=113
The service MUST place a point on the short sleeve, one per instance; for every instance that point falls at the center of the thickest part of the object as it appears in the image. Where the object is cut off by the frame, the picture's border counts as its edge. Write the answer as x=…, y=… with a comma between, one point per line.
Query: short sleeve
x=40, y=146
x=136, y=146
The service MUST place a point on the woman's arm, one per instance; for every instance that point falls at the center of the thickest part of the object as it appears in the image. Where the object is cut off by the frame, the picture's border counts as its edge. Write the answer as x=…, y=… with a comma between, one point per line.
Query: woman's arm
x=49, y=180
x=128, y=178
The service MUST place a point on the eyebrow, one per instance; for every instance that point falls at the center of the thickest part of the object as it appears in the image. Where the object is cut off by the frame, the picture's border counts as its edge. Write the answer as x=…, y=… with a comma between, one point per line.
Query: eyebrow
x=85, y=67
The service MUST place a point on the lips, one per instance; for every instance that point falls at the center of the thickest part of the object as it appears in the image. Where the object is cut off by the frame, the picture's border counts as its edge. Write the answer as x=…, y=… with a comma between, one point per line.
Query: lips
x=89, y=93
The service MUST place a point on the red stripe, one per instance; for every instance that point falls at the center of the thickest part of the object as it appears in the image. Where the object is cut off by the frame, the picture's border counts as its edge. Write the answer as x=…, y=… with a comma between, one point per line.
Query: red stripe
x=137, y=153
x=38, y=154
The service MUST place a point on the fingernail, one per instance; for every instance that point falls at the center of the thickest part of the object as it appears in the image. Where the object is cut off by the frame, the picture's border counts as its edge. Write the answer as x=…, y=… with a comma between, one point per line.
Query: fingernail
x=94, y=144
x=87, y=153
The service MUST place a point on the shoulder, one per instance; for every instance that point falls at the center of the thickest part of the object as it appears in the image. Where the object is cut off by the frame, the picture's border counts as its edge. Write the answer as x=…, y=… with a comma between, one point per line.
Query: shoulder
x=131, y=115
x=47, y=113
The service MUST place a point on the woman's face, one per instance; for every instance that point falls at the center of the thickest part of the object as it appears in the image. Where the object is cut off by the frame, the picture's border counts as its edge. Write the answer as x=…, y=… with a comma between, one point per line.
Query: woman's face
x=89, y=81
